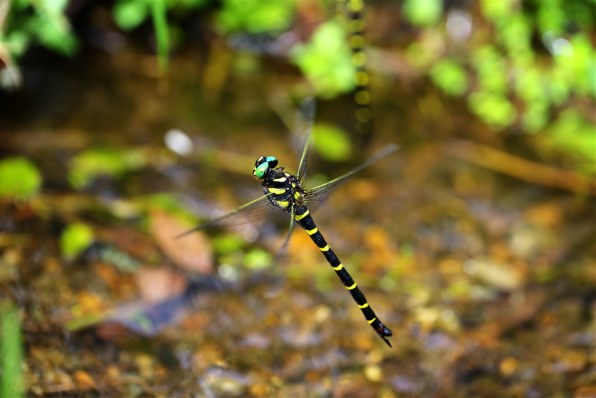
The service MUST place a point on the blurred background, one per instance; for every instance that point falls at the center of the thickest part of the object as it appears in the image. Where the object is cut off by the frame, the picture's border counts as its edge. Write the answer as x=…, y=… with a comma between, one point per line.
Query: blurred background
x=124, y=123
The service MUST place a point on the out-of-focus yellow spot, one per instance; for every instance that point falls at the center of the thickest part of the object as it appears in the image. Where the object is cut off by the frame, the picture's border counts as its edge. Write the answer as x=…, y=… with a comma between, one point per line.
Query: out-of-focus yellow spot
x=508, y=366
x=373, y=373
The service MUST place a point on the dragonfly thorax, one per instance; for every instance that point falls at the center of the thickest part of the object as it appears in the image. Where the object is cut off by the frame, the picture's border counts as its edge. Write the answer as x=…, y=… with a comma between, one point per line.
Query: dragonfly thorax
x=282, y=189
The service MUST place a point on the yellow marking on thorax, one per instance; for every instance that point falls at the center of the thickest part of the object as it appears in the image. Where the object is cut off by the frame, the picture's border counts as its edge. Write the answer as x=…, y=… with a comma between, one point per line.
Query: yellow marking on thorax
x=283, y=203
x=312, y=231
x=301, y=216
x=297, y=195
x=352, y=287
x=280, y=179
x=276, y=191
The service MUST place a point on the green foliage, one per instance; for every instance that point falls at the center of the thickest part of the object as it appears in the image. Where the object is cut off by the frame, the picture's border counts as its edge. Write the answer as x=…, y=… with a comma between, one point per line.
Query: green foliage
x=228, y=243
x=505, y=80
x=101, y=162
x=158, y=12
x=490, y=69
x=576, y=135
x=19, y=178
x=255, y=16
x=52, y=28
x=129, y=14
x=523, y=61
x=332, y=142
x=423, y=12
x=495, y=109
x=327, y=60
x=44, y=22
x=494, y=10
x=75, y=238
x=47, y=25
x=11, y=352
x=257, y=259
x=450, y=76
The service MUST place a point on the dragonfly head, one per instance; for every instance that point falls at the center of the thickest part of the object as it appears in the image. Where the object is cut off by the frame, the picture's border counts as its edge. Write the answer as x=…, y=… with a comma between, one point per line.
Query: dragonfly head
x=263, y=165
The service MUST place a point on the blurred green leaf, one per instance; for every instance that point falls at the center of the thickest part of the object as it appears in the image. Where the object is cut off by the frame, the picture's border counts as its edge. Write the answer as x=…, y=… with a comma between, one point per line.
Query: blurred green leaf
x=256, y=16
x=228, y=243
x=490, y=69
x=129, y=14
x=21, y=4
x=450, y=77
x=55, y=37
x=496, y=9
x=572, y=132
x=75, y=239
x=16, y=42
x=331, y=142
x=258, y=259
x=423, y=12
x=19, y=178
x=581, y=64
x=101, y=161
x=528, y=84
x=53, y=5
x=557, y=86
x=51, y=27
x=327, y=60
x=515, y=33
x=494, y=109
x=190, y=3
x=11, y=352
x=530, y=87
x=550, y=16
x=535, y=116
x=158, y=12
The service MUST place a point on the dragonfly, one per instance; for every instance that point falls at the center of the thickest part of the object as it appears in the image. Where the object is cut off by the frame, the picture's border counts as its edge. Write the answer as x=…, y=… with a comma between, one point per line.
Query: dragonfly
x=286, y=192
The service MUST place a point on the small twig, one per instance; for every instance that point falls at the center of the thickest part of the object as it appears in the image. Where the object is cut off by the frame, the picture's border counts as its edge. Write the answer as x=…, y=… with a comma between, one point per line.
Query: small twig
x=521, y=168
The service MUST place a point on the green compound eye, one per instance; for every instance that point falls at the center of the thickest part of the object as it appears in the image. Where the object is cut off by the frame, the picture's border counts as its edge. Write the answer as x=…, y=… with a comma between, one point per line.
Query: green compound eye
x=263, y=164
x=260, y=170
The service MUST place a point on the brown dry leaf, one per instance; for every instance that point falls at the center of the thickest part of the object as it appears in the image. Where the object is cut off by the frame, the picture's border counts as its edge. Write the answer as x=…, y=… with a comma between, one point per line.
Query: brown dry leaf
x=84, y=380
x=192, y=252
x=157, y=284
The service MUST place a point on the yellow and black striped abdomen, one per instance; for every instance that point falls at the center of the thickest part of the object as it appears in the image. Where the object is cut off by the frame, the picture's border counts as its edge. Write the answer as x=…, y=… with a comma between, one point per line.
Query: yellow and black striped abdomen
x=304, y=219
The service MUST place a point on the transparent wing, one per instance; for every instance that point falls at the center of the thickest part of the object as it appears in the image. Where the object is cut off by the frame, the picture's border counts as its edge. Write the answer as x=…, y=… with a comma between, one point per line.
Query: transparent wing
x=284, y=247
x=304, y=123
x=315, y=196
x=252, y=211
